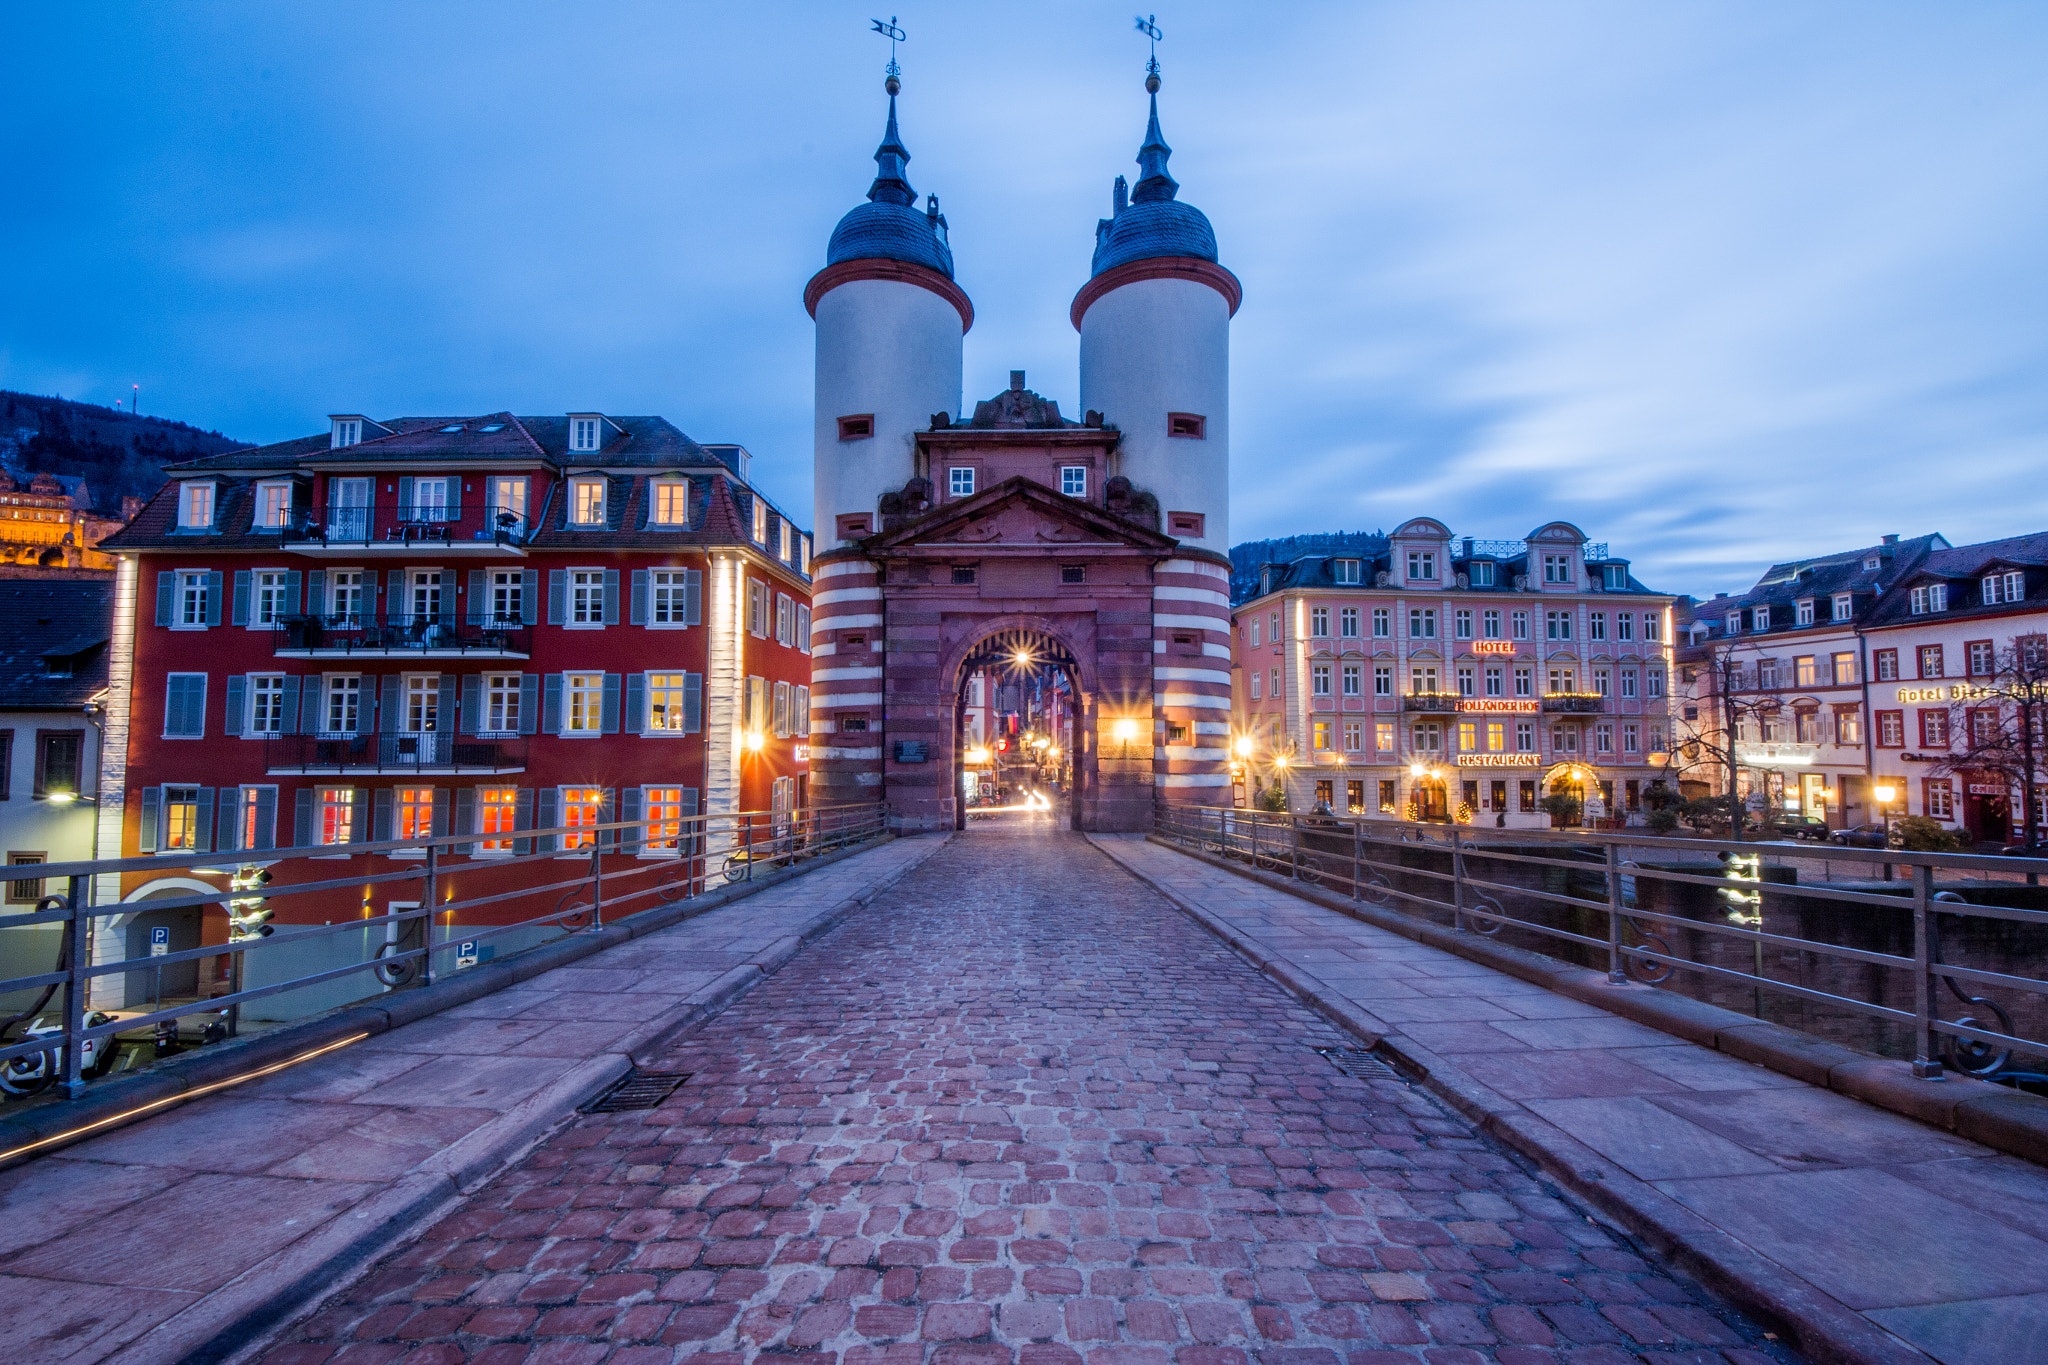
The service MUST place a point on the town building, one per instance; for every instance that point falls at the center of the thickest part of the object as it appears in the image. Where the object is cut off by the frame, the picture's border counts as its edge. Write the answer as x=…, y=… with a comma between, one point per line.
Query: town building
x=48, y=523
x=1425, y=676
x=953, y=540
x=424, y=626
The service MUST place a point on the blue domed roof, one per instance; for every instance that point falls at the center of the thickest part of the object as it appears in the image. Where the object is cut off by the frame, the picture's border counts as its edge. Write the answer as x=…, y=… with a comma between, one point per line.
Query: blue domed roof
x=1154, y=222
x=889, y=227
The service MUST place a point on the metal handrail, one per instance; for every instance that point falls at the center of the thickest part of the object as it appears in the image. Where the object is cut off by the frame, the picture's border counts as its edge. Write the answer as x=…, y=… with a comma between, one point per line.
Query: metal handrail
x=745, y=840
x=1378, y=867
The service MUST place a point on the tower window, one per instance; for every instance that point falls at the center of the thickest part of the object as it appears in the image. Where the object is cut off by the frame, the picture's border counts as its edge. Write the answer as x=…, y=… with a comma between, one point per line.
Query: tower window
x=963, y=573
x=1186, y=523
x=858, y=427
x=1073, y=573
x=1187, y=424
x=1074, y=480
x=853, y=525
x=960, y=481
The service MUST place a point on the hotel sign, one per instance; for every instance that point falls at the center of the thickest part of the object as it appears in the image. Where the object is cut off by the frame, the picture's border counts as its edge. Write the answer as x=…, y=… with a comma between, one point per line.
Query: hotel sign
x=1493, y=646
x=1955, y=692
x=1495, y=706
x=1498, y=761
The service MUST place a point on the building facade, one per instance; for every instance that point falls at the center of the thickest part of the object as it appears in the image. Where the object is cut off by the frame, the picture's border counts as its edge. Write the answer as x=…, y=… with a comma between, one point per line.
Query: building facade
x=951, y=541
x=1424, y=676
x=48, y=523
x=448, y=625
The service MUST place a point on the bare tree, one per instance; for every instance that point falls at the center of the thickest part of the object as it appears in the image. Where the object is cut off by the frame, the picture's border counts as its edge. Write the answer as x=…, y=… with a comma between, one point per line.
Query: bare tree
x=1735, y=699
x=1997, y=727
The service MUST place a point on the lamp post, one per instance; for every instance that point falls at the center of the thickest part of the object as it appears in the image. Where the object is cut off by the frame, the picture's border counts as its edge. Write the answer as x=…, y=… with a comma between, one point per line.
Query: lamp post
x=1885, y=793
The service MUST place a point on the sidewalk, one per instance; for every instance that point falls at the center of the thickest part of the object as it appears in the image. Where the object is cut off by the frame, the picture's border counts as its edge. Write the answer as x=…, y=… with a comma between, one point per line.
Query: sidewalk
x=180, y=1237
x=1799, y=1202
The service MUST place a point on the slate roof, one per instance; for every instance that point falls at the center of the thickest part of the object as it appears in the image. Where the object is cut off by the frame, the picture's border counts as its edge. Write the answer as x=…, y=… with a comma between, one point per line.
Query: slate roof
x=1154, y=223
x=889, y=227
x=1962, y=567
x=69, y=620
x=1293, y=569
x=1821, y=577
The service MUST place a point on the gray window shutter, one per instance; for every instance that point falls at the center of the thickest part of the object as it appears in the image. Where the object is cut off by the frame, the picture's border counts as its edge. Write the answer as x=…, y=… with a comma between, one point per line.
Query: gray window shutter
x=380, y=822
x=204, y=834
x=266, y=817
x=359, y=830
x=636, y=703
x=693, y=703
x=465, y=816
x=558, y=596
x=288, y=711
x=693, y=597
x=405, y=510
x=387, y=708
x=166, y=596
x=230, y=828
x=472, y=703
x=479, y=599
x=243, y=578
x=146, y=834
x=608, y=717
x=213, y=596
x=629, y=810
x=529, y=703
x=294, y=586
x=611, y=597
x=638, y=614
x=689, y=802
x=529, y=595
x=544, y=818
x=309, y=707
x=316, y=593
x=397, y=611
x=444, y=710
x=522, y=818
x=237, y=700
x=302, y=818
x=440, y=821
x=551, y=707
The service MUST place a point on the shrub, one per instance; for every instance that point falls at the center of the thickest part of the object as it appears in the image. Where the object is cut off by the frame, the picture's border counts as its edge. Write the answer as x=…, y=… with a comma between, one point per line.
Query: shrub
x=1273, y=798
x=1661, y=820
x=1919, y=834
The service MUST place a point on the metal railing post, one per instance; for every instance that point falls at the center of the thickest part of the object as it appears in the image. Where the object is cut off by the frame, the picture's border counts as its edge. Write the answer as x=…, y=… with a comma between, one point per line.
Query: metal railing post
x=1457, y=880
x=1615, y=975
x=748, y=842
x=1924, y=1064
x=427, y=930
x=597, y=882
x=1293, y=849
x=74, y=989
x=1357, y=859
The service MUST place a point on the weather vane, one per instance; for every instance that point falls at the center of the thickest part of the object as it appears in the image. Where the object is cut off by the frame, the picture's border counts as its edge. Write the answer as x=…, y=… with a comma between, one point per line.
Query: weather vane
x=895, y=35
x=1148, y=24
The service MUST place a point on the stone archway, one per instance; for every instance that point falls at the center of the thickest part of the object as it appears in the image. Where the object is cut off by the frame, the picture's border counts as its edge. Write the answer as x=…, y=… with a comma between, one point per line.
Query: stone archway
x=1014, y=650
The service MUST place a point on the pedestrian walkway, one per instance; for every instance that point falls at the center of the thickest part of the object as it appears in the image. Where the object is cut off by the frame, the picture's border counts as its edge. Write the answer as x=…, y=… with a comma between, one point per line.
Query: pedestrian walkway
x=1923, y=1234
x=1023, y=1110
x=160, y=1241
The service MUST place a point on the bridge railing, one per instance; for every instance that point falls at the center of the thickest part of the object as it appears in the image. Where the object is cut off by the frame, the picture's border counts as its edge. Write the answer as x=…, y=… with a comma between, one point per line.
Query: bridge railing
x=585, y=872
x=1940, y=957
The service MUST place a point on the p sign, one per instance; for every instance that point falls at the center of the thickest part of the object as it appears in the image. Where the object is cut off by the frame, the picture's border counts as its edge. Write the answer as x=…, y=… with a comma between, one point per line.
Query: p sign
x=160, y=940
x=465, y=954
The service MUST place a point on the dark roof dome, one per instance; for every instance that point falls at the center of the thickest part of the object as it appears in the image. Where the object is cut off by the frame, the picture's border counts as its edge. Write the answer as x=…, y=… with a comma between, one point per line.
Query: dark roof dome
x=1153, y=222
x=889, y=226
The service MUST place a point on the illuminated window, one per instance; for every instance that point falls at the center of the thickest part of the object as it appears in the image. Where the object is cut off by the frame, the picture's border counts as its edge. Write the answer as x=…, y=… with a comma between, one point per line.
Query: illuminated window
x=585, y=711
x=180, y=819
x=415, y=813
x=671, y=502
x=662, y=808
x=497, y=815
x=586, y=502
x=337, y=815
x=273, y=505
x=195, y=506
x=582, y=810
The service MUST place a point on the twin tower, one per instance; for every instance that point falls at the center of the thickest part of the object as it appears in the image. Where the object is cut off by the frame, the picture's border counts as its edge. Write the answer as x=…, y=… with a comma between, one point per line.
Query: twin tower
x=939, y=528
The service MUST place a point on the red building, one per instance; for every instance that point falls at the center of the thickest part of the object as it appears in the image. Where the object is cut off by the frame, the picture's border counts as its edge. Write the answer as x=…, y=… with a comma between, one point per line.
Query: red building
x=446, y=625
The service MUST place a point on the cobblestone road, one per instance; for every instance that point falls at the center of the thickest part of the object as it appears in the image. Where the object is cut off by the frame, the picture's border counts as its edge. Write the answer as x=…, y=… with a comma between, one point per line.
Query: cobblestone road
x=1021, y=1110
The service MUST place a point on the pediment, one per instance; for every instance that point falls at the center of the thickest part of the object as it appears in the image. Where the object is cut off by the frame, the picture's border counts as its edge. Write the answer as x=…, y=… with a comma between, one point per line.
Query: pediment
x=1019, y=514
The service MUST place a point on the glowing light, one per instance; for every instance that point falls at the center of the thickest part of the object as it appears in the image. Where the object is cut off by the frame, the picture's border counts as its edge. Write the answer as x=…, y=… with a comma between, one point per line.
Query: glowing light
x=755, y=739
x=1022, y=658
x=1280, y=760
x=1125, y=730
x=1244, y=746
x=61, y=798
x=1884, y=792
x=977, y=755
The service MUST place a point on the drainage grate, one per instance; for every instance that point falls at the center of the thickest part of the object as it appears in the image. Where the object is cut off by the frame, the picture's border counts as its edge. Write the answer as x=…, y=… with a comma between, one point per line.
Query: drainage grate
x=1361, y=1064
x=637, y=1089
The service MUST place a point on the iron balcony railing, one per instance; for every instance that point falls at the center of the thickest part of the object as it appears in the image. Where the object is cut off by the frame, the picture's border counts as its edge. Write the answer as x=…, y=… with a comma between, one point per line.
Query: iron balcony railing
x=1435, y=703
x=1938, y=958
x=1575, y=703
x=364, y=633
x=395, y=751
x=425, y=523
x=584, y=873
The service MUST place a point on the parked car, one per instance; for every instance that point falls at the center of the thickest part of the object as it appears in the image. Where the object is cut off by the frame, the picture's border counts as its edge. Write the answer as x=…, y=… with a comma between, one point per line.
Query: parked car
x=1798, y=827
x=1859, y=836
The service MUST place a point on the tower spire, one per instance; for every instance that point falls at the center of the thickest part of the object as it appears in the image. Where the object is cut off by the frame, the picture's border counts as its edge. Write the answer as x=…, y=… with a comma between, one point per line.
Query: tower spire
x=1154, y=183
x=892, y=175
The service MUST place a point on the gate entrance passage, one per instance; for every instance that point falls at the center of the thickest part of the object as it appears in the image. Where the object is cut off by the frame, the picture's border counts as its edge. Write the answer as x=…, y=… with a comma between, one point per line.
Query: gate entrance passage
x=1019, y=700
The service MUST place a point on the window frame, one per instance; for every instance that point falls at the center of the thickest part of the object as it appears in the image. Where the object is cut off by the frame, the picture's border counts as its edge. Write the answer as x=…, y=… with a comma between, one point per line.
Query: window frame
x=672, y=491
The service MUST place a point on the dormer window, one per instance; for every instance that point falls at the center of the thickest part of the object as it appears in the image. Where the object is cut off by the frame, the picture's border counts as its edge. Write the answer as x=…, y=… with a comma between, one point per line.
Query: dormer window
x=1871, y=562
x=1930, y=598
x=671, y=499
x=1480, y=573
x=1343, y=571
x=1266, y=585
x=273, y=504
x=1421, y=566
x=1734, y=628
x=1614, y=577
x=1759, y=618
x=1804, y=609
x=1844, y=606
x=1557, y=568
x=586, y=502
x=344, y=431
x=803, y=551
x=760, y=521
x=584, y=432
x=195, y=506
x=2004, y=587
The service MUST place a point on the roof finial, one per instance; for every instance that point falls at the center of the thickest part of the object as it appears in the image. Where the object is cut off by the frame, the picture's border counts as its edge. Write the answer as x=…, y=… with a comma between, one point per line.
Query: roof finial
x=1149, y=26
x=1154, y=183
x=892, y=75
x=892, y=177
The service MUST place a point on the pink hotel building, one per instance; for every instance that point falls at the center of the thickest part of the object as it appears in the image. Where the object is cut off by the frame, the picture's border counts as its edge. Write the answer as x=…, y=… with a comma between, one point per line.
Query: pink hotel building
x=1429, y=677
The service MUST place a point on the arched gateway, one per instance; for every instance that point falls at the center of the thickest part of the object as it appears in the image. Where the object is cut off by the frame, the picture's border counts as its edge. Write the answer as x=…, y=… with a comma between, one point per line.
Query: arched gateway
x=1105, y=538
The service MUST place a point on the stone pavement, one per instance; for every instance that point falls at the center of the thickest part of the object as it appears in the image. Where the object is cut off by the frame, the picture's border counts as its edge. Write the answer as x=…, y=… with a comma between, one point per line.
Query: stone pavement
x=1931, y=1237
x=144, y=1245
x=1021, y=1110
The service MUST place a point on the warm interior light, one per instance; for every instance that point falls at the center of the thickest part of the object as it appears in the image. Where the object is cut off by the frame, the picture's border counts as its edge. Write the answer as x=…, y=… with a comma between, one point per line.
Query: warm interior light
x=1125, y=730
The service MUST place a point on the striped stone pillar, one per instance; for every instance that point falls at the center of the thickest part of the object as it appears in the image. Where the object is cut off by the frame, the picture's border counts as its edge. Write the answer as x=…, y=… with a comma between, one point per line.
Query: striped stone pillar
x=847, y=653
x=1191, y=680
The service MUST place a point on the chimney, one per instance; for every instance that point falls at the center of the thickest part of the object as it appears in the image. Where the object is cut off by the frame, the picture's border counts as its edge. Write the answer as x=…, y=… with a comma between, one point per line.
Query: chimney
x=1891, y=540
x=1016, y=381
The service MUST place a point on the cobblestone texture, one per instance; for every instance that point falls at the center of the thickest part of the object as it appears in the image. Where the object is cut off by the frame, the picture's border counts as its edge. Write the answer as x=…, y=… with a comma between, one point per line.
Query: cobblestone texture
x=1021, y=1110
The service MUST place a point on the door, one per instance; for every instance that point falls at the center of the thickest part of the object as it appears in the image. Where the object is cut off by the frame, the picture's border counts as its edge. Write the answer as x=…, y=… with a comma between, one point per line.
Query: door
x=348, y=509
x=179, y=980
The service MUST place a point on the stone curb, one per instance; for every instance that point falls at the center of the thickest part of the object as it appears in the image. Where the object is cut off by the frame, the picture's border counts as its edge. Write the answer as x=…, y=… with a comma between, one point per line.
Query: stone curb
x=1993, y=1115
x=109, y=1105
x=254, y=1310
x=1822, y=1327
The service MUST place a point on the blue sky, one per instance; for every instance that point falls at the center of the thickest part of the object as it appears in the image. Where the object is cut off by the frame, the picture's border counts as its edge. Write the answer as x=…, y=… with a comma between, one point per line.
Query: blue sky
x=1721, y=283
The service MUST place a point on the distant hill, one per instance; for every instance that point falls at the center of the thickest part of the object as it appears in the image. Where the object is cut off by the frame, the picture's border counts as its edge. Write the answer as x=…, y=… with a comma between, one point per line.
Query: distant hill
x=117, y=454
x=1246, y=558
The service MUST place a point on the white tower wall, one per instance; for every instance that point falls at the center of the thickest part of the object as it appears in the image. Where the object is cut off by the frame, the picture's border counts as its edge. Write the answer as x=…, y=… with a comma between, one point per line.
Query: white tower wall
x=887, y=348
x=1154, y=347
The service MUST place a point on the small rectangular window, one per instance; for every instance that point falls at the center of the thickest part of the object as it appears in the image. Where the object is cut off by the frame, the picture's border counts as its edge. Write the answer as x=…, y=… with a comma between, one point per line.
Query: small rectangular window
x=1186, y=523
x=1074, y=480
x=1344, y=570
x=858, y=427
x=963, y=573
x=854, y=525
x=273, y=505
x=960, y=481
x=1073, y=573
x=587, y=502
x=671, y=502
x=195, y=506
x=28, y=890
x=1187, y=424
x=584, y=433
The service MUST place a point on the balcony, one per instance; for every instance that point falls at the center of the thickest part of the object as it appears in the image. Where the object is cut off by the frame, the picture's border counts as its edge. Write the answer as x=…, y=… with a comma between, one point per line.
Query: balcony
x=426, y=637
x=1433, y=703
x=1575, y=703
x=395, y=752
x=406, y=529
